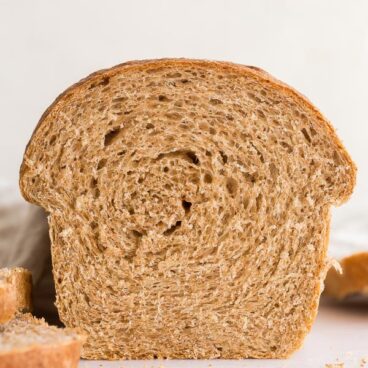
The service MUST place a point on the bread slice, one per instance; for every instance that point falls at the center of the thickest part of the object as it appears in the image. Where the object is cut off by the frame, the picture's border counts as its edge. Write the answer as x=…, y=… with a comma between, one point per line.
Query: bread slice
x=28, y=342
x=352, y=280
x=189, y=209
x=15, y=292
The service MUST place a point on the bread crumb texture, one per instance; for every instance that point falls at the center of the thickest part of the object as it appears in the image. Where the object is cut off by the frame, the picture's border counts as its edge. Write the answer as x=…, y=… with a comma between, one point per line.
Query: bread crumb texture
x=189, y=209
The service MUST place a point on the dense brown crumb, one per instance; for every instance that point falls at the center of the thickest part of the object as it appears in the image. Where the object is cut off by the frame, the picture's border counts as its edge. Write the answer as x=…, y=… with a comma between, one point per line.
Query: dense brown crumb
x=189, y=209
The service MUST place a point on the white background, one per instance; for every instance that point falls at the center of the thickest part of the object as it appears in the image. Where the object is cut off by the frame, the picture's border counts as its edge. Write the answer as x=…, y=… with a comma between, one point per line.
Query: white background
x=318, y=46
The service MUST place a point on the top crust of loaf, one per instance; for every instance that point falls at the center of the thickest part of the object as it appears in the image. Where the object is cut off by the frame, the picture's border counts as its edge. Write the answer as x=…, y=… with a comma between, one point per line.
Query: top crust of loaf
x=103, y=75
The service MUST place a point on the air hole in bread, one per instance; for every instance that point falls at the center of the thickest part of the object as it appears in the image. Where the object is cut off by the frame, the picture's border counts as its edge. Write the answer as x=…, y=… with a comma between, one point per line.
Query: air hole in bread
x=150, y=126
x=186, y=205
x=223, y=157
x=249, y=177
x=166, y=169
x=163, y=98
x=101, y=248
x=306, y=135
x=93, y=183
x=173, y=75
x=231, y=186
x=170, y=230
x=112, y=136
x=101, y=163
x=119, y=99
x=137, y=234
x=193, y=157
x=208, y=178
x=289, y=149
x=246, y=203
x=52, y=140
x=259, y=201
x=215, y=101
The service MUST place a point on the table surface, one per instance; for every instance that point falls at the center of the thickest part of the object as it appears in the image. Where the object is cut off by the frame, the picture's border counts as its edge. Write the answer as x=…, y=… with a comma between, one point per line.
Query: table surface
x=339, y=335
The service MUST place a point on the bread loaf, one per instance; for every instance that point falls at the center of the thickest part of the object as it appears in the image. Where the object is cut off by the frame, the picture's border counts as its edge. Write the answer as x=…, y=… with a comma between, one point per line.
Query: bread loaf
x=189, y=209
x=15, y=292
x=28, y=342
x=352, y=280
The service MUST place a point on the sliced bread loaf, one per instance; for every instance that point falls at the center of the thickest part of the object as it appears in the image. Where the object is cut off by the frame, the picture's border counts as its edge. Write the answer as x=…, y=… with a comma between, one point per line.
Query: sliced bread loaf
x=28, y=342
x=189, y=209
x=15, y=292
x=352, y=280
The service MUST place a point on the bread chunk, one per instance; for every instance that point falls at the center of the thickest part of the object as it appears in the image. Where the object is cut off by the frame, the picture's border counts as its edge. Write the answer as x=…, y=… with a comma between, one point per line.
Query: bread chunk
x=28, y=342
x=189, y=209
x=352, y=280
x=15, y=292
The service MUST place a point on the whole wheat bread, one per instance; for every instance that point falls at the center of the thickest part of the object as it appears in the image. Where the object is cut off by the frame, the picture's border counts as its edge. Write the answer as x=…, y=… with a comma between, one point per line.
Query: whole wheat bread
x=352, y=280
x=28, y=342
x=189, y=209
x=15, y=292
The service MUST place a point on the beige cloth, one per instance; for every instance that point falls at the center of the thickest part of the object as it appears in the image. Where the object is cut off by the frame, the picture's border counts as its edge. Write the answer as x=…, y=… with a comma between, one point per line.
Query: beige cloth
x=24, y=242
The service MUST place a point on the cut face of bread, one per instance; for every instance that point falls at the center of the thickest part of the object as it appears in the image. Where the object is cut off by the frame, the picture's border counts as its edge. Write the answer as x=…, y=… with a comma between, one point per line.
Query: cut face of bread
x=29, y=342
x=15, y=292
x=352, y=280
x=189, y=209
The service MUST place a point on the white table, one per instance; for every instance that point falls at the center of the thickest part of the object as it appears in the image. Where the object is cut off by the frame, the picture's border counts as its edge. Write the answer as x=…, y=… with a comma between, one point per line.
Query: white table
x=340, y=334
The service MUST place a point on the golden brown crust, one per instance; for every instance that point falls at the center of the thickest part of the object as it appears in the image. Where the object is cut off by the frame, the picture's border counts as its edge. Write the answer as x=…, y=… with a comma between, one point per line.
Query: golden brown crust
x=15, y=293
x=57, y=356
x=353, y=280
x=257, y=72
x=8, y=305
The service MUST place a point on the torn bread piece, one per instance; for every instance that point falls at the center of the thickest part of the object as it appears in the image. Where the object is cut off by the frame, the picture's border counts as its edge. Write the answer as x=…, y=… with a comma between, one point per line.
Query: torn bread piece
x=189, y=207
x=352, y=280
x=15, y=292
x=28, y=342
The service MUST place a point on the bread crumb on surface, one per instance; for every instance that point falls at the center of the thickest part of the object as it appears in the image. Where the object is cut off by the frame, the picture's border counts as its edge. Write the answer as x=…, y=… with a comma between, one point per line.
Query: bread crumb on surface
x=335, y=365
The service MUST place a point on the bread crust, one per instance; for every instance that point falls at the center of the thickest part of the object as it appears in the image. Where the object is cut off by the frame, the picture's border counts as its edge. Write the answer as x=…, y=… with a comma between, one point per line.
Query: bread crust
x=15, y=293
x=217, y=65
x=64, y=355
x=8, y=305
x=352, y=280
